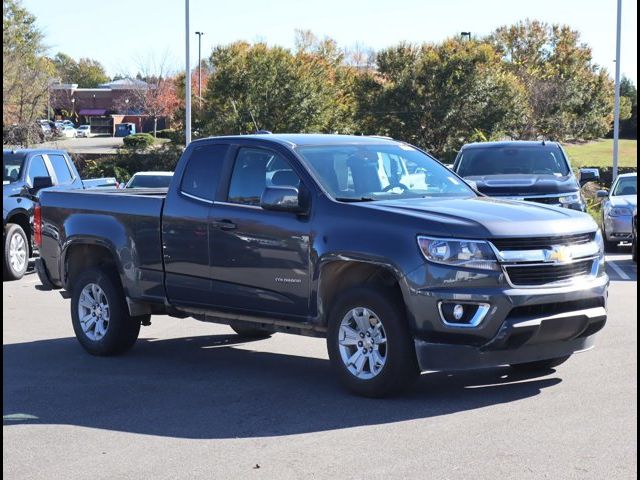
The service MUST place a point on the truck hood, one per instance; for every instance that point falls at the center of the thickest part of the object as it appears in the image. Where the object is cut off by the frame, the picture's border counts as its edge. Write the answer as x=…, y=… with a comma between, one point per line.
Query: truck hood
x=630, y=201
x=485, y=217
x=524, y=185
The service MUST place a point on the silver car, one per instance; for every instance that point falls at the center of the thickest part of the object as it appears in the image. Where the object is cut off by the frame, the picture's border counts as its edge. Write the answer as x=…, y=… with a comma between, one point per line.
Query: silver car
x=617, y=210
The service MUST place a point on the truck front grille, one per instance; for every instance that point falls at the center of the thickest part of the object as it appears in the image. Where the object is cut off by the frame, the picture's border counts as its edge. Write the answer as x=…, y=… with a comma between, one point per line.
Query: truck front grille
x=505, y=244
x=542, y=274
x=545, y=200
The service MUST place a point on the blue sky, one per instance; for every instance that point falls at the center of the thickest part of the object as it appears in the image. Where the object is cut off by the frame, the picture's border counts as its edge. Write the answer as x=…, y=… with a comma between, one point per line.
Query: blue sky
x=121, y=34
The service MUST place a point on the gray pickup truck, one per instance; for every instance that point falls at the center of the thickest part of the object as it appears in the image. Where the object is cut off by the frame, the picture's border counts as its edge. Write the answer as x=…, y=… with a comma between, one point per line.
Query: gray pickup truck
x=367, y=242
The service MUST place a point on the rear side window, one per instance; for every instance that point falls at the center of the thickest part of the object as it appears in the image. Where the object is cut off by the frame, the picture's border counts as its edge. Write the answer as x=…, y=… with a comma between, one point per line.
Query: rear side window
x=202, y=172
x=61, y=169
x=254, y=170
x=37, y=168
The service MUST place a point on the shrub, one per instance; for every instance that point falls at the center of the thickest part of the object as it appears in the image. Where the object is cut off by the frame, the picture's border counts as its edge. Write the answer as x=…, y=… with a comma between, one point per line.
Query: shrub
x=176, y=136
x=139, y=141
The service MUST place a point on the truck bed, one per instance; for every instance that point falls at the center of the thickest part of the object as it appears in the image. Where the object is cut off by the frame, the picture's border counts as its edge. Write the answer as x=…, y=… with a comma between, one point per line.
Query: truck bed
x=129, y=219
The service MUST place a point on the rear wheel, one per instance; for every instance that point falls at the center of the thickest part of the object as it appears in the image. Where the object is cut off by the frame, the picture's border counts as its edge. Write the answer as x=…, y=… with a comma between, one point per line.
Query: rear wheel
x=369, y=344
x=100, y=316
x=246, y=331
x=16, y=252
x=540, y=364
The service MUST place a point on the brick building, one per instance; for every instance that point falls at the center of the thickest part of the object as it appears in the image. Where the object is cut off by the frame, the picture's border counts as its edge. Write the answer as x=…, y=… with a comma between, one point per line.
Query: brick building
x=104, y=107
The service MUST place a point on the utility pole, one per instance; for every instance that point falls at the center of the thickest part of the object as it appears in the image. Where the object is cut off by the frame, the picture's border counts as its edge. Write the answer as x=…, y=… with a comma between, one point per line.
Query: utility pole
x=187, y=79
x=616, y=112
x=199, y=69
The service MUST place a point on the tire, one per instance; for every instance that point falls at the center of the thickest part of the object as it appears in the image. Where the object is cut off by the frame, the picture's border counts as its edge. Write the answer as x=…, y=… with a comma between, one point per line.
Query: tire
x=399, y=367
x=121, y=330
x=250, y=332
x=16, y=252
x=540, y=365
x=634, y=250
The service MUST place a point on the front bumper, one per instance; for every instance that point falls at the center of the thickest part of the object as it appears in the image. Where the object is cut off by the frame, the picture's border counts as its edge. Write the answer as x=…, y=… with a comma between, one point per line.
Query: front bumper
x=522, y=324
x=519, y=341
x=618, y=228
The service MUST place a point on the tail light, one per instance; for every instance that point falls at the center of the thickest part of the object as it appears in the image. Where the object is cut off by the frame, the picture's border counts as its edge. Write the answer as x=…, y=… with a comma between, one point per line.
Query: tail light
x=37, y=225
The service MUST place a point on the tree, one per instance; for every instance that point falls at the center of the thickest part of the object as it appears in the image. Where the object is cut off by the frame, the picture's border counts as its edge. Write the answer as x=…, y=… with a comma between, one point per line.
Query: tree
x=568, y=95
x=440, y=96
x=157, y=96
x=254, y=87
x=25, y=72
x=87, y=73
x=629, y=96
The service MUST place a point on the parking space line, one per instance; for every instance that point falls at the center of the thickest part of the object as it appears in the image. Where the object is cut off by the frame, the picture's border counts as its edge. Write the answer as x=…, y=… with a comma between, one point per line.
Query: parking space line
x=618, y=270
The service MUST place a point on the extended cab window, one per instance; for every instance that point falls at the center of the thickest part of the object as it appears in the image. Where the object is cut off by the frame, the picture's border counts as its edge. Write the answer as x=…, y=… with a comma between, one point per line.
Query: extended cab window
x=61, y=169
x=37, y=168
x=254, y=170
x=202, y=172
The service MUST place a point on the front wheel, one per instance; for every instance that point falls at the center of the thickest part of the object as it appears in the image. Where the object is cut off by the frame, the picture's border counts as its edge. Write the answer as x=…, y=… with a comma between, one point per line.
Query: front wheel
x=16, y=252
x=100, y=316
x=540, y=365
x=369, y=344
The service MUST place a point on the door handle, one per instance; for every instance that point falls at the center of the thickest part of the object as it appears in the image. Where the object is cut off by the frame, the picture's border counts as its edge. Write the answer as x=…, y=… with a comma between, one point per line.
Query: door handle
x=225, y=225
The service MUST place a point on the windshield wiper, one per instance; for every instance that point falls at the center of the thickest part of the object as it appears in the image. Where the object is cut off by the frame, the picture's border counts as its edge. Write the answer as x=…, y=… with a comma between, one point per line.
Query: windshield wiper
x=355, y=199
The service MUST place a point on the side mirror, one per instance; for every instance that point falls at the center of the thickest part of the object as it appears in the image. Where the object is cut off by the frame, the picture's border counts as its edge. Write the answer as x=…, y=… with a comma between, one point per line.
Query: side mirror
x=41, y=182
x=282, y=199
x=589, y=175
x=602, y=194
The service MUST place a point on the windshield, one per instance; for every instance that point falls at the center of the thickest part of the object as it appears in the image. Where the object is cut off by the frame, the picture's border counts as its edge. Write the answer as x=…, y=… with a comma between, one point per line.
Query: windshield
x=518, y=160
x=12, y=164
x=149, y=181
x=626, y=186
x=376, y=172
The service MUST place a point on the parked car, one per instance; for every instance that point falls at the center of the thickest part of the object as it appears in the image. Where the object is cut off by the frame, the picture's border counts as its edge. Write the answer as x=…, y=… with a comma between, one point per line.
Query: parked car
x=84, y=131
x=634, y=233
x=533, y=171
x=106, y=182
x=69, y=123
x=68, y=131
x=398, y=280
x=150, y=180
x=617, y=210
x=26, y=173
x=46, y=128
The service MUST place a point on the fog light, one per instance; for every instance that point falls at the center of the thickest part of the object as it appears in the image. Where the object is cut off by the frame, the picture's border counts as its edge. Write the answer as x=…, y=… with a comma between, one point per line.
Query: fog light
x=463, y=314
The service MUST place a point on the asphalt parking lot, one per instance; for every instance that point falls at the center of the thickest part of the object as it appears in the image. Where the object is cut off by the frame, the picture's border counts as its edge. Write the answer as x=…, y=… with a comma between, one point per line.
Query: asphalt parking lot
x=102, y=145
x=191, y=401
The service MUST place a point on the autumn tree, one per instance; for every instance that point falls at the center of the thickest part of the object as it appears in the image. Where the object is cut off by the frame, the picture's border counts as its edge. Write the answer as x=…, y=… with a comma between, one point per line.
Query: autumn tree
x=26, y=73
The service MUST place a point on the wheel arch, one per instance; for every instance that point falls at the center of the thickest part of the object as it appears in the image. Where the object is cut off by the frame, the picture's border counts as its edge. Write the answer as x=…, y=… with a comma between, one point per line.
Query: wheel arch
x=338, y=275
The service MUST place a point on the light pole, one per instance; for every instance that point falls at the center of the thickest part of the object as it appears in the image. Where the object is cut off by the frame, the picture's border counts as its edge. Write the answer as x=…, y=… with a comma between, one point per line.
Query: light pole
x=199, y=70
x=187, y=78
x=616, y=112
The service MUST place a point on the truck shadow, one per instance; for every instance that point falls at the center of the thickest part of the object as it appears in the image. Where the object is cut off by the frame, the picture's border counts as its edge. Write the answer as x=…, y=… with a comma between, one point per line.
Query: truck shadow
x=203, y=387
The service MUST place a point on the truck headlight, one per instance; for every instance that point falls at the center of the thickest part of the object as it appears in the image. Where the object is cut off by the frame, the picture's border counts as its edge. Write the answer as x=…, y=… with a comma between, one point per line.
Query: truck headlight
x=569, y=199
x=618, y=211
x=459, y=253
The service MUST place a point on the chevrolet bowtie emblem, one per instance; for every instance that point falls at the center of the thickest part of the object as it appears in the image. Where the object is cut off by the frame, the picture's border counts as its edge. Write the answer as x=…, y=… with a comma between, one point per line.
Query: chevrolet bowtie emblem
x=559, y=255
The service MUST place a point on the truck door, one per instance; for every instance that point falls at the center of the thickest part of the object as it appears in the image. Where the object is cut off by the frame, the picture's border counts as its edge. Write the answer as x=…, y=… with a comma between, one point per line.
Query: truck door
x=186, y=230
x=260, y=258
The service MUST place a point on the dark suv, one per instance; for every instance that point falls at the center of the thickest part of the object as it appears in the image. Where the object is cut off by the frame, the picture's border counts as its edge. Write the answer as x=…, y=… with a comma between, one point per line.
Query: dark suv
x=533, y=171
x=25, y=173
